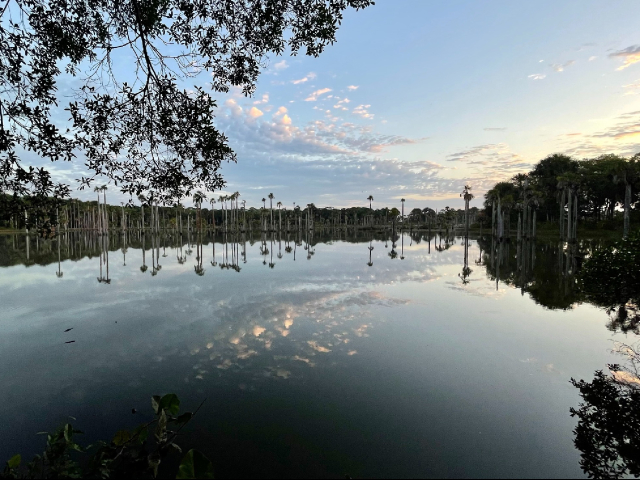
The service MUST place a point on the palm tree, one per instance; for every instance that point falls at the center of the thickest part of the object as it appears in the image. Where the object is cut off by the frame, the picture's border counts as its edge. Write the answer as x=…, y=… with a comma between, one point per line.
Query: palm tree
x=627, y=173
x=198, y=198
x=467, y=196
x=222, y=199
x=236, y=195
x=103, y=189
x=142, y=199
x=244, y=215
x=279, y=204
x=213, y=213
x=370, y=198
x=271, y=197
x=264, y=208
x=402, y=200
x=99, y=225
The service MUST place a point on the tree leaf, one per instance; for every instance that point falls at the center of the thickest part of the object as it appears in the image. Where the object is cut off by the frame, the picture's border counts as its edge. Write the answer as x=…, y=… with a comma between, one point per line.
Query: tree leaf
x=121, y=437
x=195, y=465
x=68, y=432
x=171, y=403
x=14, y=462
x=142, y=432
x=155, y=403
x=161, y=429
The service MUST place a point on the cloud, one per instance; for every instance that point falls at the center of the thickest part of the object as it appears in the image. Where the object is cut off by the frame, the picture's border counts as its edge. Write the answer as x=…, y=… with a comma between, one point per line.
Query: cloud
x=340, y=103
x=622, y=137
x=491, y=162
x=592, y=58
x=494, y=129
x=280, y=111
x=560, y=67
x=627, y=127
x=353, y=87
x=309, y=76
x=265, y=99
x=537, y=76
x=255, y=112
x=630, y=55
x=362, y=111
x=314, y=95
x=631, y=87
x=233, y=106
x=281, y=65
x=285, y=120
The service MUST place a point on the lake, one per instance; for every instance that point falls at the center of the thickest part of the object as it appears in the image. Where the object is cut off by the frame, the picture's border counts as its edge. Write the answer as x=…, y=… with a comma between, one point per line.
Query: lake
x=318, y=356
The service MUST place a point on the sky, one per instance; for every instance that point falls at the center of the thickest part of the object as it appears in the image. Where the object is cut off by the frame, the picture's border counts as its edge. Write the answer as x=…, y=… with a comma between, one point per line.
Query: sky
x=418, y=98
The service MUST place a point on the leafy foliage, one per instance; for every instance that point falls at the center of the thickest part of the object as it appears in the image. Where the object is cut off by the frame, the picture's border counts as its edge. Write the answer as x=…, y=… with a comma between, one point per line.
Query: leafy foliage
x=129, y=454
x=608, y=430
x=140, y=128
x=610, y=278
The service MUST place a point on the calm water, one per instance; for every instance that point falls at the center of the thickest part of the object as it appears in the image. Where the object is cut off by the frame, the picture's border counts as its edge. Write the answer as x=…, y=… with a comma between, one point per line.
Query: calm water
x=343, y=360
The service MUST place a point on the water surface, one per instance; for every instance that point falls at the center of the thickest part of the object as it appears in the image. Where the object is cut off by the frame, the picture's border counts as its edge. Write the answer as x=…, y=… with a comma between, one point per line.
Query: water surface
x=361, y=356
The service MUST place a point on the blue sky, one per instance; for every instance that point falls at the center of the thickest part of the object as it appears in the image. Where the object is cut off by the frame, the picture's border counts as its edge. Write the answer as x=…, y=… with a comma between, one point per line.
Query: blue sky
x=417, y=98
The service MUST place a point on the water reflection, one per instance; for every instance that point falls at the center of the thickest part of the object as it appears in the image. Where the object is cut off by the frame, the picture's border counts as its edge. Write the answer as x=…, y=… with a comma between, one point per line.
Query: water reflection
x=402, y=350
x=607, y=433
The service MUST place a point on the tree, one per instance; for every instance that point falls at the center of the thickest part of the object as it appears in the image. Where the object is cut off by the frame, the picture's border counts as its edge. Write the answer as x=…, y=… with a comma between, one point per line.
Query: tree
x=279, y=204
x=627, y=174
x=198, y=198
x=141, y=130
x=607, y=434
x=271, y=197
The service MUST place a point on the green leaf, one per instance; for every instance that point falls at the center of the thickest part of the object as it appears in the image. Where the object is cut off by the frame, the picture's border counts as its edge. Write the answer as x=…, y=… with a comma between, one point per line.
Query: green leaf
x=142, y=432
x=171, y=403
x=195, y=465
x=14, y=462
x=121, y=437
x=155, y=403
x=68, y=432
x=161, y=429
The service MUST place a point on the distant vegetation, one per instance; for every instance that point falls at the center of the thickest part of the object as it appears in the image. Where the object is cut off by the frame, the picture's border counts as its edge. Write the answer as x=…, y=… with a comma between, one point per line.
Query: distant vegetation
x=559, y=188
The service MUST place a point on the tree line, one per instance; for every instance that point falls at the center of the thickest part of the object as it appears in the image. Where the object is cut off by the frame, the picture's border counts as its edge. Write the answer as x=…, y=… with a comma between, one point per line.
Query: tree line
x=598, y=191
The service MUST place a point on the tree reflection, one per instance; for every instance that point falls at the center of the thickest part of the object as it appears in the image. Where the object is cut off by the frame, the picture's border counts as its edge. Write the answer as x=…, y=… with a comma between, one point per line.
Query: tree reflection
x=608, y=433
x=611, y=279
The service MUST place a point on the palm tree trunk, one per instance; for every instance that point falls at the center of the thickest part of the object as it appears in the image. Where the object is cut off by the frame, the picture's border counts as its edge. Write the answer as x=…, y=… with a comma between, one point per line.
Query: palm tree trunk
x=569, y=216
x=561, y=216
x=627, y=208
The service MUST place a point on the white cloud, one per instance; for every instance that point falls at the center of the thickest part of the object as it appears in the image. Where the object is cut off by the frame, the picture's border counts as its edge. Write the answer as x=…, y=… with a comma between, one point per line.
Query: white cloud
x=280, y=111
x=309, y=76
x=592, y=58
x=341, y=103
x=255, y=112
x=314, y=95
x=281, y=65
x=362, y=111
x=560, y=67
x=630, y=55
x=353, y=87
x=232, y=105
x=265, y=99
x=537, y=76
